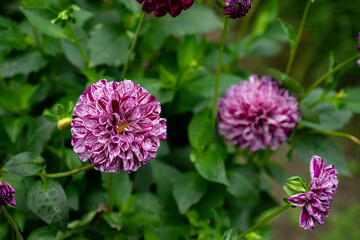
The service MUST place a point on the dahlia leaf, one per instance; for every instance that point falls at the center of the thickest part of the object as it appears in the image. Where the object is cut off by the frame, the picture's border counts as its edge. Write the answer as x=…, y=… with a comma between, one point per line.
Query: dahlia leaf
x=13, y=126
x=308, y=114
x=290, y=32
x=39, y=130
x=308, y=144
x=230, y=234
x=41, y=18
x=4, y=227
x=49, y=203
x=333, y=80
x=188, y=189
x=43, y=233
x=131, y=5
x=19, y=218
x=114, y=220
x=289, y=83
x=25, y=164
x=168, y=79
x=243, y=185
x=352, y=99
x=210, y=166
x=186, y=53
x=200, y=129
x=121, y=187
x=149, y=234
x=145, y=218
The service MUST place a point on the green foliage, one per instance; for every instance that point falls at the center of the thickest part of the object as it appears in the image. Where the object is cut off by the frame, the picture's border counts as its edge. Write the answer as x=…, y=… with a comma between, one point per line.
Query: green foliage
x=25, y=164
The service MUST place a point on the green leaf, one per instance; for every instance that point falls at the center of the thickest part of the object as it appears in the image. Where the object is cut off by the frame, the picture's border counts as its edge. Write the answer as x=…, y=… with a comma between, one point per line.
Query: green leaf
x=352, y=99
x=13, y=126
x=276, y=171
x=41, y=18
x=19, y=219
x=23, y=64
x=114, y=220
x=267, y=15
x=287, y=82
x=73, y=161
x=188, y=190
x=186, y=53
x=4, y=227
x=149, y=234
x=243, y=185
x=289, y=30
x=108, y=45
x=200, y=129
x=210, y=166
x=312, y=144
x=308, y=114
x=198, y=19
x=10, y=34
x=134, y=7
x=331, y=119
x=121, y=187
x=25, y=164
x=168, y=79
x=39, y=130
x=43, y=233
x=333, y=80
x=51, y=118
x=146, y=218
x=61, y=110
x=230, y=234
x=49, y=203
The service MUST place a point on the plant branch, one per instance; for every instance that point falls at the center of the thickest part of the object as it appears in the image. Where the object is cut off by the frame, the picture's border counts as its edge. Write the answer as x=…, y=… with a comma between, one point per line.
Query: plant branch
x=259, y=224
x=110, y=192
x=338, y=134
x=132, y=47
x=301, y=27
x=78, y=45
x=12, y=223
x=68, y=173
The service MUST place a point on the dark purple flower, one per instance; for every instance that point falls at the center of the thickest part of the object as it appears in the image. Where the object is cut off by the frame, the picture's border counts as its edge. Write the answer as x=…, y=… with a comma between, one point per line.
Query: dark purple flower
x=6, y=195
x=117, y=126
x=358, y=46
x=162, y=7
x=257, y=114
x=236, y=8
x=316, y=202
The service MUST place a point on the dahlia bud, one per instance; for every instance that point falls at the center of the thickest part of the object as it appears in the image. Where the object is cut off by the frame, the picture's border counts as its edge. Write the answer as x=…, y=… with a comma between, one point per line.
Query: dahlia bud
x=294, y=185
x=64, y=123
x=236, y=8
x=358, y=46
x=6, y=194
x=161, y=8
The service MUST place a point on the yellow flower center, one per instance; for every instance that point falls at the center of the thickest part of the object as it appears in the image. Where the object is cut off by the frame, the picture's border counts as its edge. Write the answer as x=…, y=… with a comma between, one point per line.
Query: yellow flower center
x=122, y=126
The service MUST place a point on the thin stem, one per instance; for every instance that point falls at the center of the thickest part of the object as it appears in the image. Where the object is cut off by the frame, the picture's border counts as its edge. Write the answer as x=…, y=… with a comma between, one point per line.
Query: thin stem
x=226, y=24
x=36, y=36
x=132, y=47
x=12, y=223
x=68, y=173
x=259, y=224
x=338, y=134
x=62, y=156
x=110, y=192
x=293, y=51
x=78, y=45
x=328, y=74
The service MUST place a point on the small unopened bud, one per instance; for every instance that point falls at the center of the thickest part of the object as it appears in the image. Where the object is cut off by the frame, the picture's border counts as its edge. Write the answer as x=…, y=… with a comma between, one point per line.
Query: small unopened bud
x=294, y=185
x=64, y=123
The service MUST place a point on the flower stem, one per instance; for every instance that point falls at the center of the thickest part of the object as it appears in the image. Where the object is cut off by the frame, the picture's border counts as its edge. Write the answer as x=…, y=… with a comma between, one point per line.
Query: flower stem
x=78, y=45
x=68, y=173
x=328, y=74
x=293, y=51
x=338, y=134
x=226, y=23
x=132, y=47
x=110, y=192
x=259, y=224
x=12, y=223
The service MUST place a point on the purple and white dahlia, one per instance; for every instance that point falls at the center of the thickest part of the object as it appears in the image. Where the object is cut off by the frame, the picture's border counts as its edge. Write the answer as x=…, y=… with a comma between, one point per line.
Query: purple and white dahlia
x=317, y=201
x=236, y=8
x=257, y=114
x=6, y=195
x=162, y=7
x=117, y=126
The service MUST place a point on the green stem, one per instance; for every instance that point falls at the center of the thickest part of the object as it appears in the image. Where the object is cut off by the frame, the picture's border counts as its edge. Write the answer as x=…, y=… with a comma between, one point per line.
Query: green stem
x=338, y=134
x=132, y=47
x=328, y=74
x=68, y=173
x=293, y=51
x=245, y=20
x=226, y=24
x=78, y=45
x=110, y=192
x=36, y=36
x=62, y=156
x=259, y=224
x=12, y=223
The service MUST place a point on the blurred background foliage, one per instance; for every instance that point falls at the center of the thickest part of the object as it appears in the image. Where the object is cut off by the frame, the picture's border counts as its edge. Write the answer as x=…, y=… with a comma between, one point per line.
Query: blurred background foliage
x=175, y=60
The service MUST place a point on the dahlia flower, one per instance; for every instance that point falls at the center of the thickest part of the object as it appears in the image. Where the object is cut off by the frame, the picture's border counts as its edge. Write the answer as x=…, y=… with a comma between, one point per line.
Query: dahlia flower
x=358, y=48
x=316, y=202
x=257, y=114
x=6, y=195
x=162, y=7
x=117, y=126
x=236, y=8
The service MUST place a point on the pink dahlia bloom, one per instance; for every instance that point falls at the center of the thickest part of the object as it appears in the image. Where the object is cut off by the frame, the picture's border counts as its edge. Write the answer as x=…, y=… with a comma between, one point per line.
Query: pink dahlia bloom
x=317, y=201
x=236, y=8
x=6, y=195
x=162, y=7
x=257, y=114
x=117, y=126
